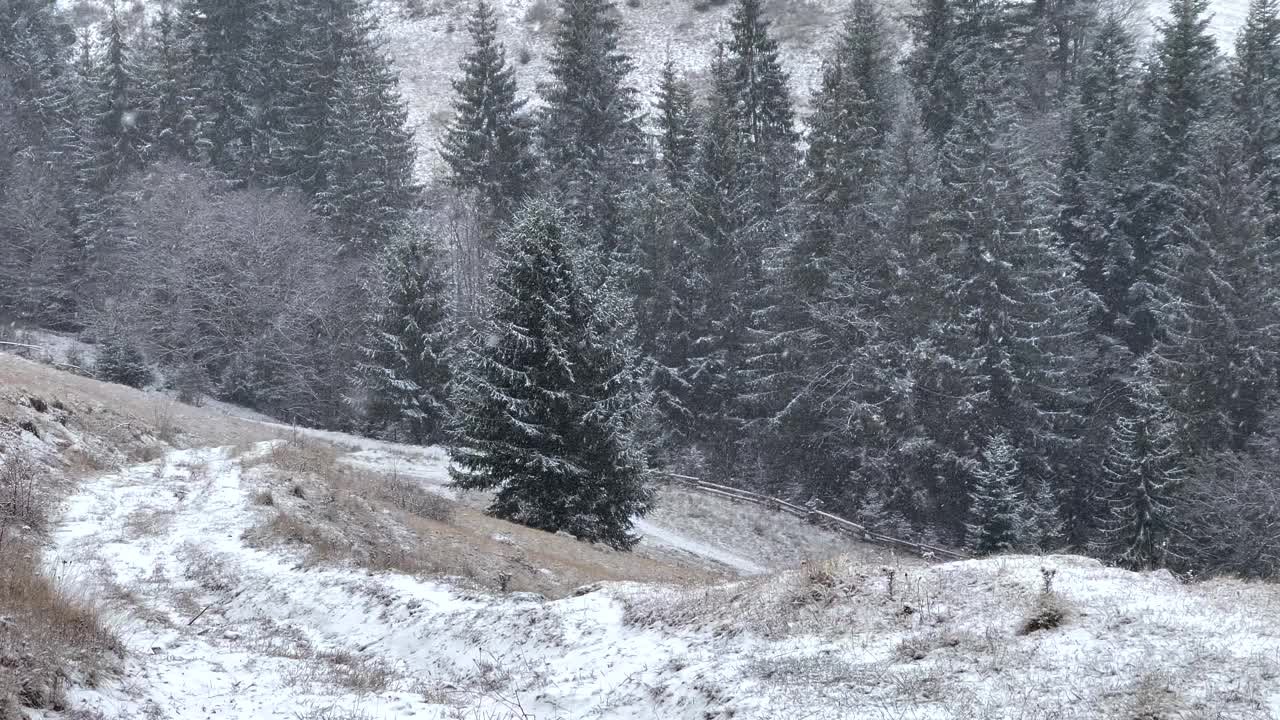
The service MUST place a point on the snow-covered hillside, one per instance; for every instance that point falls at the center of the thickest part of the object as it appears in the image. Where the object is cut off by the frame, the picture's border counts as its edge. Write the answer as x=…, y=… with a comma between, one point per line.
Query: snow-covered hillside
x=428, y=44
x=218, y=629
x=252, y=577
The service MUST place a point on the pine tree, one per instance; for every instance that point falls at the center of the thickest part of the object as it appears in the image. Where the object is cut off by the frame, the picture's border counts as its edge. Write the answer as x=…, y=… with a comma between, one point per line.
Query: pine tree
x=1255, y=85
x=224, y=78
x=368, y=155
x=589, y=129
x=1217, y=360
x=308, y=43
x=171, y=125
x=120, y=361
x=406, y=370
x=932, y=65
x=1181, y=87
x=114, y=144
x=1144, y=471
x=1099, y=172
x=754, y=93
x=487, y=146
x=730, y=271
x=999, y=509
x=1012, y=331
x=847, y=134
x=1184, y=82
x=664, y=279
x=548, y=396
x=37, y=171
x=677, y=125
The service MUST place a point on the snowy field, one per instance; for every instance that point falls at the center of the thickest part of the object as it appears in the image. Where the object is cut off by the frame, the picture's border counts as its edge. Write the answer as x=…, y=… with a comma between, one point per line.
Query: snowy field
x=218, y=623
x=217, y=629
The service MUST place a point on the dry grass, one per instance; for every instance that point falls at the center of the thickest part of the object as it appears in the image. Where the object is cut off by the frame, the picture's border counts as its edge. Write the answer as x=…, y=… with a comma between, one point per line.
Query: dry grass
x=341, y=514
x=49, y=637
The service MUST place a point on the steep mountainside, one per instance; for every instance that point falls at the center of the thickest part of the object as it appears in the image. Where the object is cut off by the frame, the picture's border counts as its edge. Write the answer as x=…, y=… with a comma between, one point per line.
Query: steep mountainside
x=427, y=38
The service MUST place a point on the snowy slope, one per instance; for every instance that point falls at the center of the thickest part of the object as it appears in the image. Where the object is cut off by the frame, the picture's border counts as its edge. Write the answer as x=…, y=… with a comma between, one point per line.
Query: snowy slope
x=427, y=49
x=217, y=627
x=220, y=630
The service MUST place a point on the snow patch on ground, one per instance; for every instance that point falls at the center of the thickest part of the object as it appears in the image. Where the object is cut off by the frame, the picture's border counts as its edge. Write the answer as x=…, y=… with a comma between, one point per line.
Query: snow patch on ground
x=670, y=538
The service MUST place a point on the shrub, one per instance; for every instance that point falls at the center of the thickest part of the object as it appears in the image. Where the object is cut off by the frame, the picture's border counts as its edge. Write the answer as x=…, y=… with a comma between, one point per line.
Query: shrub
x=416, y=500
x=19, y=504
x=525, y=56
x=119, y=361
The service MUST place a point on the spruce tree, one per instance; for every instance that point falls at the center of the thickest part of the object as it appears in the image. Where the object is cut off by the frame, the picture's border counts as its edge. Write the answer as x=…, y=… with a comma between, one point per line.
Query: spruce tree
x=1013, y=329
x=117, y=145
x=847, y=134
x=308, y=44
x=367, y=158
x=406, y=370
x=763, y=138
x=1216, y=361
x=999, y=511
x=725, y=234
x=1183, y=85
x=1144, y=471
x=932, y=65
x=664, y=280
x=487, y=146
x=548, y=396
x=224, y=78
x=589, y=129
x=677, y=125
x=1101, y=168
x=171, y=125
x=1255, y=87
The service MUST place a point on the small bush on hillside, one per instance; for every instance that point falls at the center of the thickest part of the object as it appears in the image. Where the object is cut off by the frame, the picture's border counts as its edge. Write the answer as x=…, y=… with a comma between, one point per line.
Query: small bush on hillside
x=119, y=361
x=416, y=500
x=525, y=56
x=1050, y=610
x=192, y=384
x=18, y=499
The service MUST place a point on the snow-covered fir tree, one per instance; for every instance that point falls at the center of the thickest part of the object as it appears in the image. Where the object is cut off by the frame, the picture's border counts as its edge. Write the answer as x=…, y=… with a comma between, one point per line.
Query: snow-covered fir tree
x=487, y=145
x=171, y=123
x=406, y=369
x=1255, y=87
x=1144, y=471
x=999, y=511
x=367, y=159
x=221, y=60
x=1216, y=361
x=547, y=396
x=677, y=125
x=589, y=130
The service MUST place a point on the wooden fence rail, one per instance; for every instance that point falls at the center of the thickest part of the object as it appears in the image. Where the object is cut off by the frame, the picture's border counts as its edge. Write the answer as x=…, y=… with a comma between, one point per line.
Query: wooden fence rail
x=817, y=517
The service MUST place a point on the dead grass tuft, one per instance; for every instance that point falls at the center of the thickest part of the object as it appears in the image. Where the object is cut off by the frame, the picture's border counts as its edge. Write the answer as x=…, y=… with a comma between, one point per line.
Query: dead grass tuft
x=48, y=636
x=297, y=454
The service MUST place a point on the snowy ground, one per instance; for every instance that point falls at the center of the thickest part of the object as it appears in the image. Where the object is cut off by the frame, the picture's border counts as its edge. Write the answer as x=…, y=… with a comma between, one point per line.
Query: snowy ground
x=217, y=626
x=219, y=629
